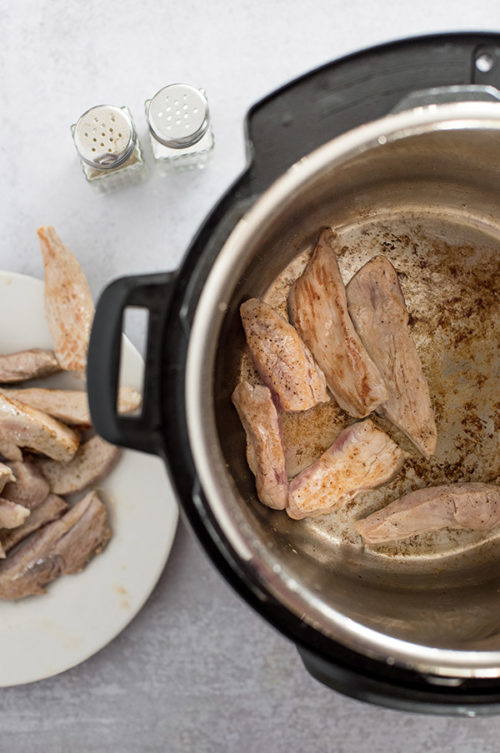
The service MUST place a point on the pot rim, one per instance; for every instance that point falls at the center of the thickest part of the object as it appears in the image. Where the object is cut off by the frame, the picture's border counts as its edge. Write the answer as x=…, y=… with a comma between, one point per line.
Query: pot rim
x=209, y=314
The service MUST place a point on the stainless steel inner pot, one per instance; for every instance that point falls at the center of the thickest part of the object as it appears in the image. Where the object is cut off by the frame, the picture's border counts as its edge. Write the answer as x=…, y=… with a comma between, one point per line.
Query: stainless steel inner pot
x=422, y=187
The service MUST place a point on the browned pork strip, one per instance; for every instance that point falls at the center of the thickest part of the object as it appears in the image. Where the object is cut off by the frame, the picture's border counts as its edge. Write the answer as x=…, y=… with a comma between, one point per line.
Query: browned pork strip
x=265, y=454
x=472, y=506
x=283, y=361
x=22, y=426
x=318, y=309
x=93, y=460
x=70, y=406
x=63, y=546
x=378, y=310
x=30, y=487
x=50, y=509
x=68, y=303
x=27, y=364
x=362, y=457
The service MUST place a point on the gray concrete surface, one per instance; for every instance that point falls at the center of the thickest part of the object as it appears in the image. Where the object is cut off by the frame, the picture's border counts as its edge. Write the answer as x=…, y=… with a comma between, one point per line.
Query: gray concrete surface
x=197, y=671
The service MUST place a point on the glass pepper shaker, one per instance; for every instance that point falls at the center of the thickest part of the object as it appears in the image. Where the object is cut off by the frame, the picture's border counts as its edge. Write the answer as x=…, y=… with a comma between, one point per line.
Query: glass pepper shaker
x=180, y=129
x=108, y=147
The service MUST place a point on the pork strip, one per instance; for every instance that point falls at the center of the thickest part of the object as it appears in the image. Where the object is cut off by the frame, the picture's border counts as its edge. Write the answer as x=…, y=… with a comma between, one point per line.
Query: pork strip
x=69, y=308
x=378, y=310
x=318, y=309
x=30, y=487
x=265, y=454
x=63, y=546
x=22, y=426
x=6, y=476
x=27, y=364
x=282, y=359
x=50, y=509
x=93, y=460
x=472, y=506
x=11, y=514
x=362, y=457
x=8, y=450
x=70, y=406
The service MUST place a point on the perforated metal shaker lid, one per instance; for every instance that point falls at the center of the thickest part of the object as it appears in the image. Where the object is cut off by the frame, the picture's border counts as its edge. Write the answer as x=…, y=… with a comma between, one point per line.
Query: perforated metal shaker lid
x=104, y=136
x=178, y=115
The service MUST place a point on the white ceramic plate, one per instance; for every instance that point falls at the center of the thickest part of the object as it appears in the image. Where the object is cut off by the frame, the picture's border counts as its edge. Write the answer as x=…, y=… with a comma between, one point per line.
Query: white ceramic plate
x=43, y=635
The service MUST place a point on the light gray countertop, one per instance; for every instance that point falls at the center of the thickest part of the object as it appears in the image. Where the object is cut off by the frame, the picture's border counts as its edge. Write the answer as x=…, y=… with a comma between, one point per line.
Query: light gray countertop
x=197, y=671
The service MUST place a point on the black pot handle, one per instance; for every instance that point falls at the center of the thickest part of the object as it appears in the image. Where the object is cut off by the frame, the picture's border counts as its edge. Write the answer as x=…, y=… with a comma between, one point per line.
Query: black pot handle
x=349, y=92
x=151, y=292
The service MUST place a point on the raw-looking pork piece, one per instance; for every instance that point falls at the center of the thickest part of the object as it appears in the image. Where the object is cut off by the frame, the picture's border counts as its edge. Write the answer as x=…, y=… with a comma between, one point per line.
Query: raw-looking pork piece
x=6, y=476
x=378, y=310
x=318, y=309
x=22, y=426
x=69, y=406
x=30, y=488
x=472, y=506
x=362, y=457
x=50, y=509
x=93, y=459
x=282, y=359
x=63, y=546
x=27, y=364
x=11, y=514
x=265, y=454
x=69, y=308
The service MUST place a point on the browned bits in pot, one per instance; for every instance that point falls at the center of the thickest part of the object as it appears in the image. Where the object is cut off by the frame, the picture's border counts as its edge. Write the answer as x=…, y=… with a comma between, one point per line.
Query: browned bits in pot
x=496, y=417
x=449, y=276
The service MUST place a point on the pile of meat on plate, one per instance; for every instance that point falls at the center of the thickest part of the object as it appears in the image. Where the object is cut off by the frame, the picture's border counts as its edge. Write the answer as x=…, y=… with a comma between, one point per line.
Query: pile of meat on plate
x=47, y=446
x=355, y=341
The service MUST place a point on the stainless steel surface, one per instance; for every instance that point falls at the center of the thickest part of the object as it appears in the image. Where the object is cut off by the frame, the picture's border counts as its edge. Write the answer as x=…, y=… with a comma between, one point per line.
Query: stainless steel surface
x=104, y=136
x=423, y=187
x=439, y=95
x=178, y=115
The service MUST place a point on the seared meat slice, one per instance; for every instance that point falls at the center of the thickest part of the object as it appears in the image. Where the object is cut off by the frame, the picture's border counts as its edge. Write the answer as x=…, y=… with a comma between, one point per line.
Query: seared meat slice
x=283, y=361
x=8, y=450
x=318, y=309
x=12, y=515
x=471, y=506
x=94, y=459
x=30, y=487
x=265, y=454
x=50, y=509
x=27, y=364
x=362, y=457
x=68, y=303
x=70, y=406
x=6, y=476
x=22, y=426
x=63, y=546
x=379, y=313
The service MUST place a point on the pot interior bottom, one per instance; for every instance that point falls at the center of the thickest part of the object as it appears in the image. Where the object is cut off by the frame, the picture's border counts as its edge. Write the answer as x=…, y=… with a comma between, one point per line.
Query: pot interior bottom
x=440, y=588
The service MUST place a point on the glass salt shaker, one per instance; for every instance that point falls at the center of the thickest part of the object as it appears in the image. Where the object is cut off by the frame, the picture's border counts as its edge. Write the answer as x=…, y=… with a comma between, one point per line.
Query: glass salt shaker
x=180, y=129
x=108, y=147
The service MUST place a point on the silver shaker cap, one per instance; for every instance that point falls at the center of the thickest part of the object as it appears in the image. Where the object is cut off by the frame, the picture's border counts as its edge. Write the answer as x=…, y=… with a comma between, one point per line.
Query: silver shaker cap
x=178, y=115
x=104, y=136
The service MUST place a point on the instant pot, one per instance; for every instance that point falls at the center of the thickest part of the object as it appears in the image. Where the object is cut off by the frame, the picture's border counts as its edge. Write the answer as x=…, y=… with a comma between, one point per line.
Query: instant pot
x=407, y=132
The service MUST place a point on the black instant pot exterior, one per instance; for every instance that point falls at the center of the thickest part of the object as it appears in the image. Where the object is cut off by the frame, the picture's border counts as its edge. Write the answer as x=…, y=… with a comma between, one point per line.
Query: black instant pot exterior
x=281, y=129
